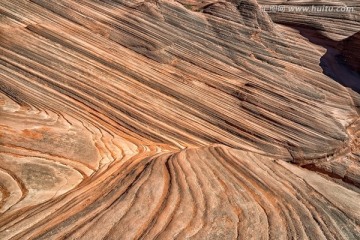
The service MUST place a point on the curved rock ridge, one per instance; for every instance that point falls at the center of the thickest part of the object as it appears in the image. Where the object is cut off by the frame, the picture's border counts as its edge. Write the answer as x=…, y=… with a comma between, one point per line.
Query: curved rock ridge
x=210, y=192
x=177, y=119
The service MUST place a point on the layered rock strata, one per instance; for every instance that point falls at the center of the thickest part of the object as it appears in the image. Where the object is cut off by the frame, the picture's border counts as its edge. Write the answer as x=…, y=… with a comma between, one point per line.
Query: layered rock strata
x=176, y=119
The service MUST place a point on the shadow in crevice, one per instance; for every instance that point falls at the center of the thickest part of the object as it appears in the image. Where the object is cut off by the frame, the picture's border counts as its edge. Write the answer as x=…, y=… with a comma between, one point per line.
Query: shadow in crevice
x=339, y=62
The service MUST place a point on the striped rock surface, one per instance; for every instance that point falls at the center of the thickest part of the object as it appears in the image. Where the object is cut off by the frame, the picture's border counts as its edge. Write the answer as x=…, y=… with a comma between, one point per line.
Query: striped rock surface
x=178, y=120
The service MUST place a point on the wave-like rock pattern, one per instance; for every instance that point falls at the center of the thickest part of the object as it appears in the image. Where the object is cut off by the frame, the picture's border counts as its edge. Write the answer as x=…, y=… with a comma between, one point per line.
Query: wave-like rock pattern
x=210, y=192
x=171, y=119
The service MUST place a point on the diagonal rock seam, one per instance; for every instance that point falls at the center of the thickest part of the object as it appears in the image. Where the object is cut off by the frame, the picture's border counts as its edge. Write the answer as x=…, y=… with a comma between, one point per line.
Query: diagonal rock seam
x=147, y=119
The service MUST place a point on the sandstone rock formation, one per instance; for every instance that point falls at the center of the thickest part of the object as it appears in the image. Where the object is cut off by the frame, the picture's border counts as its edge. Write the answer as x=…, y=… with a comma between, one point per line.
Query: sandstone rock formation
x=178, y=119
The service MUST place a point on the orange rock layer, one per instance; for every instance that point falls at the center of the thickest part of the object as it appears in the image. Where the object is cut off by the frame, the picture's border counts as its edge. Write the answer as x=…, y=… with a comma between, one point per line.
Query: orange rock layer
x=177, y=119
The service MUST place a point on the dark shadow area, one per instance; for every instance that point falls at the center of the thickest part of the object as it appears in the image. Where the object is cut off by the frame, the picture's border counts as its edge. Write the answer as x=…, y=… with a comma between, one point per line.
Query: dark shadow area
x=341, y=61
